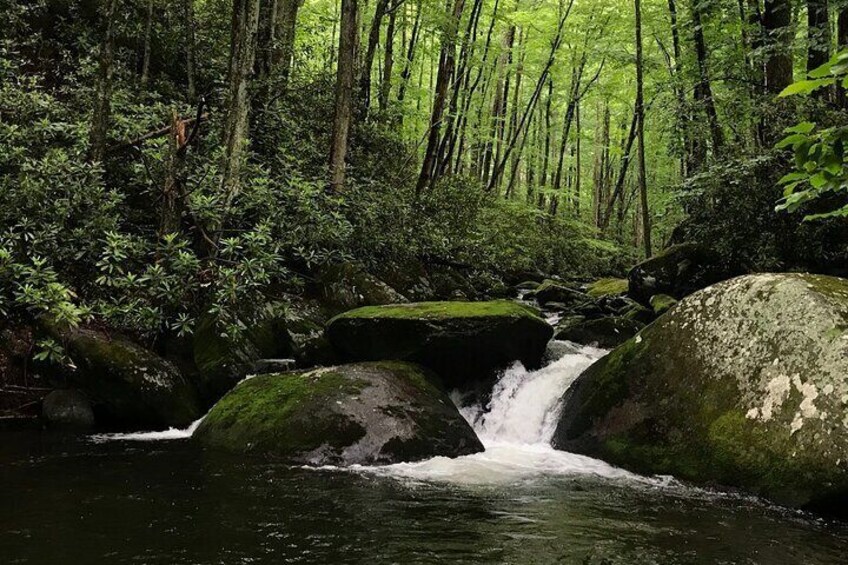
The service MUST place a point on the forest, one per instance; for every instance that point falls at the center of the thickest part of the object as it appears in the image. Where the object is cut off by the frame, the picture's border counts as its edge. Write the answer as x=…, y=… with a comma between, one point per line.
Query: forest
x=196, y=191
x=164, y=158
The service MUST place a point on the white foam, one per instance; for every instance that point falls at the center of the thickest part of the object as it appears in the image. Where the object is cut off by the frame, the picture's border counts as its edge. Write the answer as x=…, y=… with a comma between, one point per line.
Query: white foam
x=516, y=428
x=164, y=435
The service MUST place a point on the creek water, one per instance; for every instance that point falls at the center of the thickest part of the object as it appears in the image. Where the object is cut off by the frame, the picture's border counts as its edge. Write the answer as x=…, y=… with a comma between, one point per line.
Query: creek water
x=158, y=498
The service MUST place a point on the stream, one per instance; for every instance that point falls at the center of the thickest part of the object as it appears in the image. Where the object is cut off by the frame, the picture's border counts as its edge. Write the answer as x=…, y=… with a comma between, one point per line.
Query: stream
x=157, y=498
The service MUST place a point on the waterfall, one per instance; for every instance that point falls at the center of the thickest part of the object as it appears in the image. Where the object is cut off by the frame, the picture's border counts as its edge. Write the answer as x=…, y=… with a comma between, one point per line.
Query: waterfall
x=516, y=427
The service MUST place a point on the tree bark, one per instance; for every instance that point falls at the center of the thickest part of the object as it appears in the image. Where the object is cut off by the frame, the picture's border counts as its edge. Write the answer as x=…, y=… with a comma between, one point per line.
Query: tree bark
x=370, y=52
x=818, y=34
x=344, y=94
x=777, y=27
x=242, y=55
x=286, y=32
x=640, y=134
x=704, y=90
x=410, y=53
x=148, y=31
x=388, y=62
x=103, y=94
x=447, y=62
x=188, y=15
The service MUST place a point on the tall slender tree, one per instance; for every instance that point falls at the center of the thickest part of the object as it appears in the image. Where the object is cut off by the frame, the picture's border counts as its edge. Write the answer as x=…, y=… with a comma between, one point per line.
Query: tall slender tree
x=640, y=135
x=345, y=73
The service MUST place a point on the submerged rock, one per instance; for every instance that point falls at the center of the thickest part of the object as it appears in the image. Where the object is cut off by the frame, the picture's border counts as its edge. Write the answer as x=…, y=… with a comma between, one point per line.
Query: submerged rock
x=677, y=271
x=67, y=408
x=743, y=384
x=363, y=413
x=463, y=342
x=129, y=385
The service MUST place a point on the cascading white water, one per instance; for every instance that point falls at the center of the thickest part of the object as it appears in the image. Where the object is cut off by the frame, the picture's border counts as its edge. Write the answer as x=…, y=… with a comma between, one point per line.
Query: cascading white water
x=516, y=427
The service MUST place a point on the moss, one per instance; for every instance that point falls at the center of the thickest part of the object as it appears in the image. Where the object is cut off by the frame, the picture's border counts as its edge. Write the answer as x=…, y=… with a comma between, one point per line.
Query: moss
x=608, y=287
x=662, y=303
x=441, y=310
x=273, y=414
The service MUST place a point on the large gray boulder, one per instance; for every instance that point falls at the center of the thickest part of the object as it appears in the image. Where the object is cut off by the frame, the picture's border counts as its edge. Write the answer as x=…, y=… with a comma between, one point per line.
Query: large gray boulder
x=676, y=271
x=364, y=413
x=128, y=385
x=463, y=342
x=743, y=384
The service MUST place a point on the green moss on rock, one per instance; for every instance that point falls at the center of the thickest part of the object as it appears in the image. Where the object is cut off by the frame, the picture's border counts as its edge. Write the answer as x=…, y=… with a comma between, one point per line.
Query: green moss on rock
x=607, y=287
x=662, y=303
x=462, y=342
x=738, y=385
x=366, y=413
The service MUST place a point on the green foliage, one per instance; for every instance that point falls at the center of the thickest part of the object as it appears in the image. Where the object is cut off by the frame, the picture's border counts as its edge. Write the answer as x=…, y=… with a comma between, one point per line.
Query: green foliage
x=819, y=153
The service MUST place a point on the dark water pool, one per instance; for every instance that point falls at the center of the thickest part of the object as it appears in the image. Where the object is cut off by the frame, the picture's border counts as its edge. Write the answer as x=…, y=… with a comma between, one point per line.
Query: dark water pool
x=67, y=501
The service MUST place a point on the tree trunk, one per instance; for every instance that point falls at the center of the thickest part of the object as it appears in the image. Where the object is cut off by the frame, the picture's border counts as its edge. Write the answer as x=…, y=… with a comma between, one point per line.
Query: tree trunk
x=546, y=158
x=410, y=53
x=344, y=94
x=100, y=118
x=447, y=62
x=703, y=90
x=818, y=34
x=777, y=26
x=148, y=31
x=242, y=54
x=640, y=134
x=370, y=52
x=286, y=30
x=578, y=148
x=188, y=15
x=388, y=62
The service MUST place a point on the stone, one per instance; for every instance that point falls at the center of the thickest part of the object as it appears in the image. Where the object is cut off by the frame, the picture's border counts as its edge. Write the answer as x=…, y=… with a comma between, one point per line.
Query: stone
x=364, y=413
x=463, y=342
x=67, y=408
x=743, y=384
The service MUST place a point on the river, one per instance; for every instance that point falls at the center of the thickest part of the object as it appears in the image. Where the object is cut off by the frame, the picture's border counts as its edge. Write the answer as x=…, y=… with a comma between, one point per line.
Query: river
x=158, y=498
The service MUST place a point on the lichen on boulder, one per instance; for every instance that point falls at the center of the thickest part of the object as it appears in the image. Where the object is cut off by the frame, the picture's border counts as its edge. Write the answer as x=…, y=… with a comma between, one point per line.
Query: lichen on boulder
x=743, y=384
x=363, y=413
x=463, y=342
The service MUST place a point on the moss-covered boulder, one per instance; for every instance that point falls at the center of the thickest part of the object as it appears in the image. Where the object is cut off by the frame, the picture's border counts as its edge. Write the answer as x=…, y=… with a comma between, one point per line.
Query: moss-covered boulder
x=606, y=332
x=363, y=413
x=677, y=271
x=607, y=287
x=128, y=385
x=743, y=384
x=346, y=285
x=554, y=291
x=463, y=342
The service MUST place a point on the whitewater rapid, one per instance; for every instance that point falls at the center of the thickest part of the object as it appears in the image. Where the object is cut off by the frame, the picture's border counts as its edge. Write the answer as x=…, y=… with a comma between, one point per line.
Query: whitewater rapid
x=516, y=427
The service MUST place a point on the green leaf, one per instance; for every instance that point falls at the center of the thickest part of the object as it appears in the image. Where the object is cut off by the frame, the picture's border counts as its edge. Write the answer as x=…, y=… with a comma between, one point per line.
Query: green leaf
x=792, y=177
x=804, y=87
x=803, y=128
x=791, y=140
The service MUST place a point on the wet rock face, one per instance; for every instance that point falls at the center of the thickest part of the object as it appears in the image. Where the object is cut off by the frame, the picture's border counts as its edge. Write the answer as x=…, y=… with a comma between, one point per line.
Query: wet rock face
x=128, y=385
x=743, y=384
x=67, y=409
x=605, y=333
x=463, y=342
x=677, y=271
x=363, y=413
